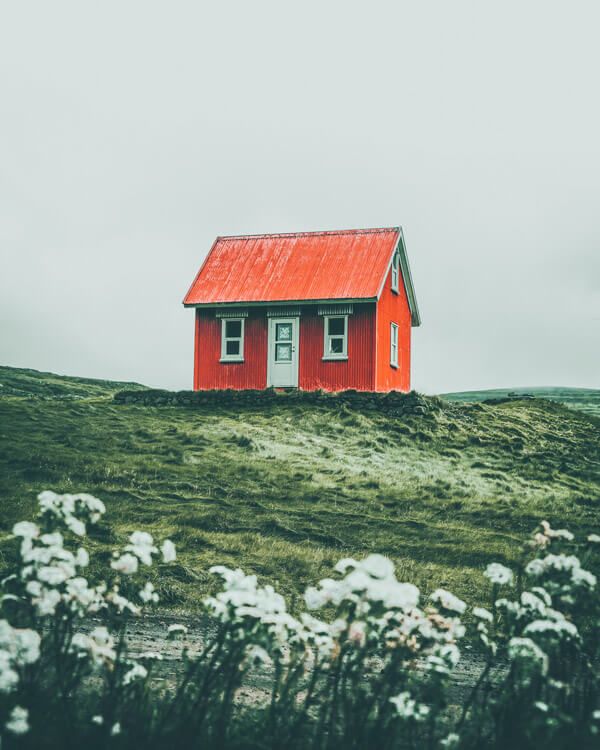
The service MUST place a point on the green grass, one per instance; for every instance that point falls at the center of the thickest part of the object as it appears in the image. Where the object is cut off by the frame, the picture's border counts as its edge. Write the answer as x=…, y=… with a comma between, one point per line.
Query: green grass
x=17, y=381
x=583, y=399
x=286, y=489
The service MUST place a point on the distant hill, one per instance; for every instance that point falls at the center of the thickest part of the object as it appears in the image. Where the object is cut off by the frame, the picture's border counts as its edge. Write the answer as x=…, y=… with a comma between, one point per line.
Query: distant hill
x=19, y=381
x=285, y=488
x=584, y=399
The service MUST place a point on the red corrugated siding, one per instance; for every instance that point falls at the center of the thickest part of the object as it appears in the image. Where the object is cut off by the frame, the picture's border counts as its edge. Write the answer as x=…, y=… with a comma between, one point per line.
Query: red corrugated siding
x=358, y=371
x=393, y=308
x=252, y=373
x=196, y=350
x=294, y=267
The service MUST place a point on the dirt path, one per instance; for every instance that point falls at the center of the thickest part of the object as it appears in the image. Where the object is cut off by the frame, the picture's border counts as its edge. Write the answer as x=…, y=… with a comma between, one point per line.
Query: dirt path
x=150, y=635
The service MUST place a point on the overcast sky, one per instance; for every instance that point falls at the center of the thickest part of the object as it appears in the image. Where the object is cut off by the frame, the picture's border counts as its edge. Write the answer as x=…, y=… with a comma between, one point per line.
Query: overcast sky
x=133, y=133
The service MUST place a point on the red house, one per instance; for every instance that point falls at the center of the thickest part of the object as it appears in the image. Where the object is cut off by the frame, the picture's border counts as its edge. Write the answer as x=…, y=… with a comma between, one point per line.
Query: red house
x=309, y=310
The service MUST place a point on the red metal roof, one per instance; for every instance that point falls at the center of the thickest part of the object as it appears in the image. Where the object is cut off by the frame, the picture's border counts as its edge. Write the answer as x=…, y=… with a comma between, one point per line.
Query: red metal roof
x=294, y=267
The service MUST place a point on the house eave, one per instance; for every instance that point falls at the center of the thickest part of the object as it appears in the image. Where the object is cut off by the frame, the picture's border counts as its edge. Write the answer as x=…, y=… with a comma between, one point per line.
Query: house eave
x=282, y=303
x=415, y=317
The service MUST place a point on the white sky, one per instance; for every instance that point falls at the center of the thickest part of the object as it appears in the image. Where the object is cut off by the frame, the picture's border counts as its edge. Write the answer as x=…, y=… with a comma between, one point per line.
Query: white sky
x=132, y=133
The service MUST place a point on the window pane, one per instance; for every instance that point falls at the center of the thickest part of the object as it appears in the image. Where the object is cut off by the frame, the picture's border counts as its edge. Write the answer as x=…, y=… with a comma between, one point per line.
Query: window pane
x=232, y=348
x=283, y=332
x=336, y=346
x=283, y=352
x=337, y=326
x=233, y=329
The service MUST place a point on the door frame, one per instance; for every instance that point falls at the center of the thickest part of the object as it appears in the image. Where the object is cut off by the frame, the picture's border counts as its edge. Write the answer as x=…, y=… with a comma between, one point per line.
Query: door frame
x=295, y=320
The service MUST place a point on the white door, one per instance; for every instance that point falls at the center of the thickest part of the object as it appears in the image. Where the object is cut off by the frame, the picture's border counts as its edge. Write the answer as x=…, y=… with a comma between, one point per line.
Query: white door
x=282, y=365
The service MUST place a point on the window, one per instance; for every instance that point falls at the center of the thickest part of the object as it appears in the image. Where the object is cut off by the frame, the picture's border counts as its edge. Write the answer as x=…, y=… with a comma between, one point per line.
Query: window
x=394, y=345
x=283, y=342
x=336, y=337
x=232, y=340
x=395, y=271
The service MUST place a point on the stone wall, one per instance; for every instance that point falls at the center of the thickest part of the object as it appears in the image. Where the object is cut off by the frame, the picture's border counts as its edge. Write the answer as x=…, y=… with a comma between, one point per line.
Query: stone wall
x=393, y=402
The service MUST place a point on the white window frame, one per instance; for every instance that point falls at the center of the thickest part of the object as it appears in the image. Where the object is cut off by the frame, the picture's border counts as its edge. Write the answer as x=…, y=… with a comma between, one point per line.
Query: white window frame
x=232, y=357
x=326, y=338
x=396, y=272
x=394, y=344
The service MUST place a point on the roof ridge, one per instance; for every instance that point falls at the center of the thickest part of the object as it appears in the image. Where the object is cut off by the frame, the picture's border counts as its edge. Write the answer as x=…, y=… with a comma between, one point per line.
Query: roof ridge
x=372, y=230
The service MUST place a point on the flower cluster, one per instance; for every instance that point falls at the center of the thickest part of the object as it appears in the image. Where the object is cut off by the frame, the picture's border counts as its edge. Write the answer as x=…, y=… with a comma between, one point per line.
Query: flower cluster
x=562, y=576
x=257, y=613
x=375, y=663
x=19, y=648
x=49, y=587
x=73, y=511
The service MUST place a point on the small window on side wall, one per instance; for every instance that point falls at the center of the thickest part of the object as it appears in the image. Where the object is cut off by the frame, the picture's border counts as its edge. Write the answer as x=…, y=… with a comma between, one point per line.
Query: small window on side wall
x=393, y=345
x=396, y=272
x=336, y=337
x=232, y=340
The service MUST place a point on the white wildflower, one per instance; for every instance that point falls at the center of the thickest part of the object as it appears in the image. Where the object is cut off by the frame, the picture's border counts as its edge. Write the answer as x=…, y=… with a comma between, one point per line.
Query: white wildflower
x=8, y=677
x=126, y=564
x=20, y=645
x=137, y=672
x=142, y=546
x=483, y=614
x=176, y=629
x=533, y=603
x=594, y=538
x=378, y=566
x=498, y=574
x=257, y=655
x=99, y=645
x=357, y=632
x=26, y=648
x=75, y=525
x=148, y=594
x=26, y=529
x=47, y=601
x=540, y=540
x=115, y=729
x=581, y=577
x=54, y=575
x=92, y=505
x=527, y=650
x=82, y=558
x=347, y=562
x=18, y=721
x=121, y=603
x=403, y=596
x=408, y=708
x=567, y=566
x=557, y=627
x=448, y=601
x=97, y=719
x=168, y=551
x=450, y=741
x=54, y=539
x=314, y=598
x=556, y=533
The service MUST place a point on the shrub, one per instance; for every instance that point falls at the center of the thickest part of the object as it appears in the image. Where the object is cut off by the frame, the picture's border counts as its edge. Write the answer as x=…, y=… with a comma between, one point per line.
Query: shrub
x=373, y=670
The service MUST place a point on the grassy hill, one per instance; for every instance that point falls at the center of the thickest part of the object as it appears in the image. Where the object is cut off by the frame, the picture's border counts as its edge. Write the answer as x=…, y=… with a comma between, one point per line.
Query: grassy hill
x=583, y=399
x=18, y=381
x=286, y=488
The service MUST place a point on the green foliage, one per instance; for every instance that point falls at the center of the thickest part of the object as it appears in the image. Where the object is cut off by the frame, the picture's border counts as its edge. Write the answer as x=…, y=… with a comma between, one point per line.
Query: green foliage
x=17, y=381
x=286, y=488
x=373, y=669
x=583, y=399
